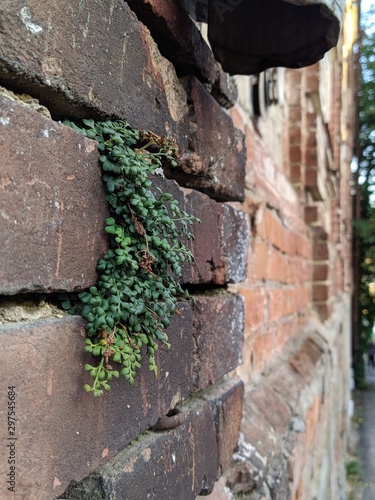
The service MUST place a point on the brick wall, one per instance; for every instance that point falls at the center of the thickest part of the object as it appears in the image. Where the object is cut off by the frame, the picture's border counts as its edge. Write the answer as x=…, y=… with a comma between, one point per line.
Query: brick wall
x=254, y=392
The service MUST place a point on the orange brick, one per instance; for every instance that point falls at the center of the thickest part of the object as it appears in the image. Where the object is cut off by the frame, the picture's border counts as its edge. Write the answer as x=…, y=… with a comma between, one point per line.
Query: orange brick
x=261, y=253
x=264, y=349
x=255, y=307
x=276, y=304
x=312, y=419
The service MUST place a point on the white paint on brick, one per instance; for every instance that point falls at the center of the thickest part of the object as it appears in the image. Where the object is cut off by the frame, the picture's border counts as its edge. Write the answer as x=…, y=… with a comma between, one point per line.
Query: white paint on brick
x=4, y=120
x=26, y=18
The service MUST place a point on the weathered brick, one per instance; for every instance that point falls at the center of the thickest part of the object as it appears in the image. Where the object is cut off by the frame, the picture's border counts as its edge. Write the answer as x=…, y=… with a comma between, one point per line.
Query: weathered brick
x=234, y=244
x=255, y=313
x=215, y=162
x=286, y=382
x=52, y=204
x=63, y=433
x=320, y=250
x=56, y=250
x=180, y=41
x=226, y=400
x=179, y=463
x=311, y=214
x=324, y=309
x=220, y=241
x=261, y=254
x=218, y=333
x=264, y=348
x=320, y=244
x=320, y=292
x=177, y=37
x=260, y=438
x=320, y=272
x=305, y=359
x=89, y=62
x=273, y=408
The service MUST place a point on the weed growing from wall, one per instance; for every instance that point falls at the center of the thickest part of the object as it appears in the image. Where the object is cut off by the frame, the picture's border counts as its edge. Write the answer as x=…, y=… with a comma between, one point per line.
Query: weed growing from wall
x=137, y=290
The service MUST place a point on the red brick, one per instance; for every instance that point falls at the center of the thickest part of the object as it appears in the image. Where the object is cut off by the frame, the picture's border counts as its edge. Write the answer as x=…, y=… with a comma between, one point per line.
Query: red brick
x=311, y=177
x=309, y=140
x=320, y=250
x=216, y=162
x=295, y=134
x=305, y=359
x=295, y=154
x=320, y=272
x=310, y=121
x=273, y=408
x=226, y=400
x=324, y=309
x=221, y=239
x=181, y=42
x=311, y=79
x=218, y=331
x=261, y=254
x=234, y=243
x=276, y=270
x=63, y=433
x=178, y=39
x=295, y=173
x=255, y=307
x=264, y=349
x=73, y=75
x=287, y=383
x=311, y=214
x=179, y=463
x=53, y=204
x=295, y=114
x=276, y=304
x=311, y=159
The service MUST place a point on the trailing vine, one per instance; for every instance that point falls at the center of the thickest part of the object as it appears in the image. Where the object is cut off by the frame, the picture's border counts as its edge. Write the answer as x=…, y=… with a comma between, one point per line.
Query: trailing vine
x=129, y=309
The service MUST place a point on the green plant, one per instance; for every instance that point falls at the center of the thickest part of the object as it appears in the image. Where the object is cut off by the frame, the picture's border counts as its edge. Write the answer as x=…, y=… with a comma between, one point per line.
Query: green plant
x=353, y=471
x=137, y=290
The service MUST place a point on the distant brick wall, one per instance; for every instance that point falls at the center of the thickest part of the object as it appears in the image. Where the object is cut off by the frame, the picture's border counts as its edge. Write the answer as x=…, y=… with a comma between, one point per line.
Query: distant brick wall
x=254, y=367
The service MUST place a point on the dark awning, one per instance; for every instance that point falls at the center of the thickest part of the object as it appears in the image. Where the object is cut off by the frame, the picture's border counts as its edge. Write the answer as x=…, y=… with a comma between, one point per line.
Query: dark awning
x=248, y=36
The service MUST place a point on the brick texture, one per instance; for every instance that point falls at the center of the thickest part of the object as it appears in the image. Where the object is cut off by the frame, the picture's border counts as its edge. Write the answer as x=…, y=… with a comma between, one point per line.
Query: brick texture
x=218, y=335
x=225, y=401
x=168, y=465
x=91, y=62
x=180, y=41
x=52, y=204
x=215, y=162
x=52, y=176
x=57, y=419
